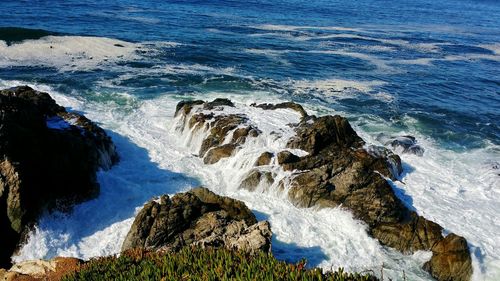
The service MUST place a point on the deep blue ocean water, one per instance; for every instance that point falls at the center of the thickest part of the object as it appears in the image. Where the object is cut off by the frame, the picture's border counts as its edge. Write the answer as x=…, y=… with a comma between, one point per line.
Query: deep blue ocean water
x=454, y=96
x=426, y=68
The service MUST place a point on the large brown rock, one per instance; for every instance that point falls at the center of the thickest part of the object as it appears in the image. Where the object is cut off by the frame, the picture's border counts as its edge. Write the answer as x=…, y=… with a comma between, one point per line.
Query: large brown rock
x=48, y=158
x=217, y=153
x=198, y=217
x=450, y=259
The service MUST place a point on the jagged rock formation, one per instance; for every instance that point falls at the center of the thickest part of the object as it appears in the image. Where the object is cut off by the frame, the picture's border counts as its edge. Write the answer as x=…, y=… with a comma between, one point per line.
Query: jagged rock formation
x=197, y=218
x=213, y=147
x=48, y=159
x=341, y=170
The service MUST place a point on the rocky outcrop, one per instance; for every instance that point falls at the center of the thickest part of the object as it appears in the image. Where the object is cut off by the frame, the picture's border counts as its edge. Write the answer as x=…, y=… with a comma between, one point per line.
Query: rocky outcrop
x=41, y=270
x=226, y=132
x=48, y=159
x=198, y=218
x=340, y=169
x=402, y=144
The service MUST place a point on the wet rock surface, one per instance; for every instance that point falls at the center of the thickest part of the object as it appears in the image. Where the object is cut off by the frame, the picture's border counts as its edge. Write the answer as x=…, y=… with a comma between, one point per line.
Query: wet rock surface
x=48, y=159
x=402, y=144
x=290, y=105
x=200, y=218
x=255, y=178
x=450, y=259
x=264, y=159
x=341, y=170
x=233, y=127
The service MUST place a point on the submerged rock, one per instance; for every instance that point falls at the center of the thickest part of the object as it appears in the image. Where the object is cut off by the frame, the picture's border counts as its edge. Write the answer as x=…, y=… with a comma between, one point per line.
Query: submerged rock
x=291, y=105
x=198, y=217
x=48, y=159
x=339, y=169
x=402, y=144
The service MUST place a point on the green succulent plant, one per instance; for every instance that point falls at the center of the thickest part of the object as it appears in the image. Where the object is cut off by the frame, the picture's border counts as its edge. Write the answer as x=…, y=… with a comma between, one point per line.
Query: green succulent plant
x=203, y=264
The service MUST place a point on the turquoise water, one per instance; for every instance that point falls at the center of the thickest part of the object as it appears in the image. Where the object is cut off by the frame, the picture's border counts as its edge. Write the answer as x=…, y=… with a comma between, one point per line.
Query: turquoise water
x=430, y=69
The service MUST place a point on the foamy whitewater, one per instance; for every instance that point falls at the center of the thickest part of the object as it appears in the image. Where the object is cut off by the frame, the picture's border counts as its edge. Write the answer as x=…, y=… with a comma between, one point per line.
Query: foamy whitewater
x=156, y=159
x=398, y=69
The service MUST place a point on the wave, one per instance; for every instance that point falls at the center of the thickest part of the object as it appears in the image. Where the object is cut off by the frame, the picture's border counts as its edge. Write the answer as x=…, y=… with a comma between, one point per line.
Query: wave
x=276, y=27
x=68, y=53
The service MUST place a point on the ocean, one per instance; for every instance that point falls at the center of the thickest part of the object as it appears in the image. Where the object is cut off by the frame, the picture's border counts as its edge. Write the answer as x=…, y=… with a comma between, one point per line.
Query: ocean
x=429, y=69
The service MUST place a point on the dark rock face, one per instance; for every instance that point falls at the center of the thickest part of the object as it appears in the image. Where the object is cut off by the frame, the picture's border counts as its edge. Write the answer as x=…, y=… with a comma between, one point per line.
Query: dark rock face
x=315, y=134
x=286, y=157
x=48, y=158
x=198, y=217
x=291, y=105
x=341, y=170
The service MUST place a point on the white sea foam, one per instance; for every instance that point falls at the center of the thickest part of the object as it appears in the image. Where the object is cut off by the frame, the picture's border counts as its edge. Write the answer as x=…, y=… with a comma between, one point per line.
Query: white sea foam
x=419, y=61
x=67, y=52
x=339, y=88
x=459, y=191
x=495, y=48
x=381, y=64
x=472, y=57
x=276, y=27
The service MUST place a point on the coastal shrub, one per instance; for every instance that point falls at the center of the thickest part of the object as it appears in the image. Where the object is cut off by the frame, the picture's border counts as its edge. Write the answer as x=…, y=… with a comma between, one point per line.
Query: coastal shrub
x=202, y=264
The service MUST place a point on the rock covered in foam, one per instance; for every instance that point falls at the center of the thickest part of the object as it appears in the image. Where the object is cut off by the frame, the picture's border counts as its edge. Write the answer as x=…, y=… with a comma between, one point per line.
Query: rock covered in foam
x=48, y=158
x=216, y=144
x=198, y=217
x=339, y=169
